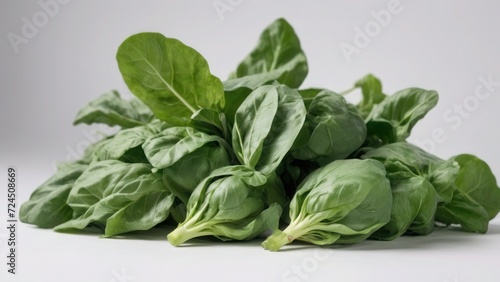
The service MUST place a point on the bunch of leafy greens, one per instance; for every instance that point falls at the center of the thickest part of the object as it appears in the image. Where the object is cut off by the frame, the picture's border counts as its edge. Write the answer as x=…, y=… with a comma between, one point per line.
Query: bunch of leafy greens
x=226, y=158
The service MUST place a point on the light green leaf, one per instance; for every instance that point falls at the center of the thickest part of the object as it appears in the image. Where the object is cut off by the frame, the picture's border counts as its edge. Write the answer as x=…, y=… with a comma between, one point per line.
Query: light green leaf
x=344, y=201
x=171, y=78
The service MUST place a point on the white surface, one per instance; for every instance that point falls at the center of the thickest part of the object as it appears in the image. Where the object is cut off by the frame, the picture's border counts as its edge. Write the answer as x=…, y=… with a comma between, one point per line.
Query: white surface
x=441, y=45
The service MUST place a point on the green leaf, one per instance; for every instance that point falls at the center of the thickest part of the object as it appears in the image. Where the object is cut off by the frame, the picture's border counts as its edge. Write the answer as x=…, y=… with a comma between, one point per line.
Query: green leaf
x=228, y=206
x=308, y=95
x=253, y=122
x=211, y=122
x=47, y=206
x=333, y=130
x=413, y=207
x=116, y=147
x=403, y=110
x=463, y=210
x=185, y=174
x=112, y=110
x=371, y=89
x=344, y=201
x=476, y=180
x=171, y=78
x=170, y=145
x=476, y=198
x=278, y=53
x=266, y=125
x=107, y=187
x=142, y=214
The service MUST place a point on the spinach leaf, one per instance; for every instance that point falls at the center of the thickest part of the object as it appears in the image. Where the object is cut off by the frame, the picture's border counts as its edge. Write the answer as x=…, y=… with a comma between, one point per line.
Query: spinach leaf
x=185, y=174
x=277, y=57
x=228, y=206
x=404, y=160
x=107, y=187
x=332, y=131
x=278, y=52
x=211, y=122
x=170, y=145
x=266, y=125
x=308, y=95
x=371, y=89
x=171, y=78
x=476, y=180
x=47, y=206
x=117, y=146
x=476, y=198
x=112, y=110
x=141, y=214
x=402, y=110
x=413, y=206
x=344, y=201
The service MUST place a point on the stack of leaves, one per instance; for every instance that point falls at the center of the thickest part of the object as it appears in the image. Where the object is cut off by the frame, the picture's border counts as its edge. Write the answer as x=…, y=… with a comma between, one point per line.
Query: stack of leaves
x=239, y=158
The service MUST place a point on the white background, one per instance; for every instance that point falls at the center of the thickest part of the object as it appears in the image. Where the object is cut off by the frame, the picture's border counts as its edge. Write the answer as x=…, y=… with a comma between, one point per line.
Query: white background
x=442, y=45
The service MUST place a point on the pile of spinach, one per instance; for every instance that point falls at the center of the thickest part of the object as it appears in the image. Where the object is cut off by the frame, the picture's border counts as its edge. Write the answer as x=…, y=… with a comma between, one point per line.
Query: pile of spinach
x=237, y=158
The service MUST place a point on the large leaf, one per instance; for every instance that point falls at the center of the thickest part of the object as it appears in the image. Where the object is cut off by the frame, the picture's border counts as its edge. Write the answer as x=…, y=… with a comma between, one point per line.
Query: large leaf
x=141, y=214
x=371, y=89
x=173, y=79
x=278, y=51
x=47, y=206
x=344, y=201
x=170, y=145
x=226, y=205
x=277, y=57
x=112, y=110
x=266, y=125
x=403, y=110
x=253, y=121
x=107, y=187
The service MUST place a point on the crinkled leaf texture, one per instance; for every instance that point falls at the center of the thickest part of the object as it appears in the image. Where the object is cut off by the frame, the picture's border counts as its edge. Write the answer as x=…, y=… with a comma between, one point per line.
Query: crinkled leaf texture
x=47, y=205
x=173, y=79
x=111, y=193
x=112, y=110
x=333, y=130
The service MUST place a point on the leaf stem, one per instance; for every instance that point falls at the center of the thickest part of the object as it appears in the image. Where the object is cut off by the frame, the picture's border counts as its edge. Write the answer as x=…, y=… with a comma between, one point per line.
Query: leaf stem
x=345, y=92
